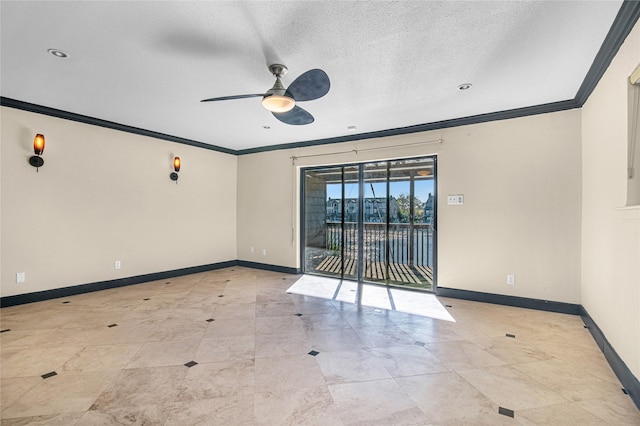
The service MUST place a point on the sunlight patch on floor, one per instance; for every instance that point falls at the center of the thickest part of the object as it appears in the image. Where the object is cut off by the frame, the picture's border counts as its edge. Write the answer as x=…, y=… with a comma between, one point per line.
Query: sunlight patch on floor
x=376, y=296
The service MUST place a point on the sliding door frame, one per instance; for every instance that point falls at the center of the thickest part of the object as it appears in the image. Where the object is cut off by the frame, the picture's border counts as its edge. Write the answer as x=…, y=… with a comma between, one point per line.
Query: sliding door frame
x=360, y=219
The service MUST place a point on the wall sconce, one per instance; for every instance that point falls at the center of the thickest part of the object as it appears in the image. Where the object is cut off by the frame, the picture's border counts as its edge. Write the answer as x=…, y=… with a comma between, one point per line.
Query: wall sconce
x=176, y=167
x=38, y=147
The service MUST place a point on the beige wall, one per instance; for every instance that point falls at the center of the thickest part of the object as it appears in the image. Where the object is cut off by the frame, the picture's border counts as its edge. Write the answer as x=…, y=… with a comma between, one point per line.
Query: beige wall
x=610, y=233
x=105, y=195
x=521, y=183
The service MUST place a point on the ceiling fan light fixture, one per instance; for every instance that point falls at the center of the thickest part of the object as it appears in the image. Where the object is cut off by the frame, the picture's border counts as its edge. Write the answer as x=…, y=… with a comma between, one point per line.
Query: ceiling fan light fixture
x=278, y=103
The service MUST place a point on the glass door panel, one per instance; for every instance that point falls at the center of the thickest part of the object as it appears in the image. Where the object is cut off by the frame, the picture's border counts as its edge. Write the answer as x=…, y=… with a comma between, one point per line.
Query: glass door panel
x=372, y=222
x=375, y=217
x=331, y=212
x=417, y=219
x=350, y=234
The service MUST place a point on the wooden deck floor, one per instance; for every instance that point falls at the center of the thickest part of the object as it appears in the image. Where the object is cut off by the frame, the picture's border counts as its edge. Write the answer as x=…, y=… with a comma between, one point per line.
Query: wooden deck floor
x=421, y=276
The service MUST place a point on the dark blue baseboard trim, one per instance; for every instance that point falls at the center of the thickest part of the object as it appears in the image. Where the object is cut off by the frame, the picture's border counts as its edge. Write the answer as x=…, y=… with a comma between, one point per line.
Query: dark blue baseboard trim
x=266, y=267
x=21, y=299
x=500, y=299
x=626, y=377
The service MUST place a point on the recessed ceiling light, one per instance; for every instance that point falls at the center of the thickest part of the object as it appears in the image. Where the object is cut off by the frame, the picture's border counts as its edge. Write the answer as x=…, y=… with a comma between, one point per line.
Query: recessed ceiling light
x=57, y=53
x=465, y=86
x=352, y=128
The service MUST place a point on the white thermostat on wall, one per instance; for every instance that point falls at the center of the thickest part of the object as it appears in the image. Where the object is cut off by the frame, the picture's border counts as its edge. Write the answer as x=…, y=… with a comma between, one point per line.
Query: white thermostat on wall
x=455, y=200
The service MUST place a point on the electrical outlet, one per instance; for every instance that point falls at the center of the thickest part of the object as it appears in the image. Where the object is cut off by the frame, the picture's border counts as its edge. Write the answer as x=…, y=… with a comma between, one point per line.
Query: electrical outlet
x=20, y=277
x=117, y=264
x=264, y=252
x=511, y=279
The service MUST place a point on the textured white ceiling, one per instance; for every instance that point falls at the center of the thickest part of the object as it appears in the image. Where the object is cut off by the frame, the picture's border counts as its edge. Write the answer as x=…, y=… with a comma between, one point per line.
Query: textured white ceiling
x=391, y=64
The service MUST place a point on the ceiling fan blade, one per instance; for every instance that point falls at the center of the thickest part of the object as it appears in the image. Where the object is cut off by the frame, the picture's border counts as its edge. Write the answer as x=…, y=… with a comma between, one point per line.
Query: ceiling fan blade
x=296, y=117
x=227, y=98
x=311, y=85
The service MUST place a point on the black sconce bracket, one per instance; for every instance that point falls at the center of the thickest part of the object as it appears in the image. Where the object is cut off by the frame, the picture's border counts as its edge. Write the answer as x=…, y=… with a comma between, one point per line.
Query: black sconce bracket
x=36, y=161
x=174, y=176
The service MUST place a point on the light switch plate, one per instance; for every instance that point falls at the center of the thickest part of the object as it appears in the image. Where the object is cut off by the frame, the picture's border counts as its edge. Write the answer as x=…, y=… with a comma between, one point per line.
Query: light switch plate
x=455, y=200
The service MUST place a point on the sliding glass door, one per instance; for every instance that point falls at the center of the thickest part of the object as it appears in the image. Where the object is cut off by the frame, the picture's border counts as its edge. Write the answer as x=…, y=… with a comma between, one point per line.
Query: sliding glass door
x=372, y=222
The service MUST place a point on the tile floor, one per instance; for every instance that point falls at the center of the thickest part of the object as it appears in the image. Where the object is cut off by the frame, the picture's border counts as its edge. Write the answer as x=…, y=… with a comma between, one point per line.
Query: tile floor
x=232, y=347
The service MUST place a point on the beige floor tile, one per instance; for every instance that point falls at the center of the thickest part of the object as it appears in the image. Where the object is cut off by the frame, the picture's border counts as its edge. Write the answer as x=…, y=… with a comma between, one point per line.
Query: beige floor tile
x=275, y=325
x=275, y=309
x=101, y=358
x=429, y=330
x=235, y=311
x=275, y=345
x=325, y=321
x=288, y=372
x=227, y=348
x=142, y=386
x=63, y=393
x=311, y=305
x=230, y=327
x=35, y=361
x=409, y=360
x=236, y=297
x=309, y=406
x=478, y=328
x=596, y=365
x=217, y=379
x=138, y=317
x=134, y=415
x=563, y=346
x=368, y=317
x=615, y=410
x=461, y=355
x=64, y=419
x=383, y=335
x=203, y=298
x=180, y=329
x=197, y=315
x=510, y=389
x=227, y=410
x=335, y=340
x=351, y=366
x=512, y=350
x=569, y=414
x=121, y=334
x=381, y=402
x=160, y=354
x=568, y=380
x=447, y=397
x=94, y=319
x=12, y=388
x=17, y=338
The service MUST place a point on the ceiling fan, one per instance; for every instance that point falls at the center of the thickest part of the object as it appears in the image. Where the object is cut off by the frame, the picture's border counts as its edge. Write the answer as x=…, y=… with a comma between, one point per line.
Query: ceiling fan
x=311, y=85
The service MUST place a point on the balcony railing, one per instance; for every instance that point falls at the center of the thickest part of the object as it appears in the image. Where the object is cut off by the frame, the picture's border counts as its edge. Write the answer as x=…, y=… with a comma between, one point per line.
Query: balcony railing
x=408, y=245
x=410, y=252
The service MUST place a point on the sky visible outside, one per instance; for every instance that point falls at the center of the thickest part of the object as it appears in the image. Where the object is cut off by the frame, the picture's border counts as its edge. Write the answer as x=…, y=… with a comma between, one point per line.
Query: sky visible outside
x=422, y=189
